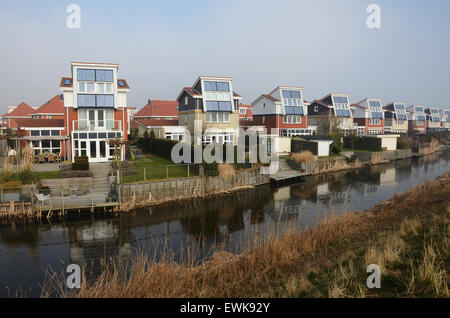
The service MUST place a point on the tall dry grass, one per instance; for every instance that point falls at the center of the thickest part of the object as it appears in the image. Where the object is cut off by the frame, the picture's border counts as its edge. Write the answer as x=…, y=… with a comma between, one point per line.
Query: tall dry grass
x=328, y=260
x=304, y=156
x=226, y=171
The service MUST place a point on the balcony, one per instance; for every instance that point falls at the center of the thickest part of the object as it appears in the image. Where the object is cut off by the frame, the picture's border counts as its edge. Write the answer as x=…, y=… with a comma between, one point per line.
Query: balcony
x=100, y=125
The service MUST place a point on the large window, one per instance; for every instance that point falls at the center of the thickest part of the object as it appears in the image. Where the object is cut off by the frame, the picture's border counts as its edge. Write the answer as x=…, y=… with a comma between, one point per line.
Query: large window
x=90, y=100
x=341, y=107
x=400, y=111
x=219, y=137
x=46, y=146
x=217, y=117
x=295, y=132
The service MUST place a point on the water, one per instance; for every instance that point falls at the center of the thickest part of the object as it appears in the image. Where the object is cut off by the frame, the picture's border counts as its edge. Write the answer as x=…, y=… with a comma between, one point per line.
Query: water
x=27, y=250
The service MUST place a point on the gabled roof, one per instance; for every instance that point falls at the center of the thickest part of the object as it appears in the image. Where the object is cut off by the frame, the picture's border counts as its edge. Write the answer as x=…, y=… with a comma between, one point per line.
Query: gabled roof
x=160, y=108
x=193, y=92
x=53, y=106
x=321, y=103
x=273, y=99
x=38, y=123
x=22, y=110
x=147, y=122
x=236, y=95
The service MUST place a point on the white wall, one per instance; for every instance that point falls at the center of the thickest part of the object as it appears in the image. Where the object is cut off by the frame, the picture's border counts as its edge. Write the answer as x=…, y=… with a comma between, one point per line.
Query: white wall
x=389, y=143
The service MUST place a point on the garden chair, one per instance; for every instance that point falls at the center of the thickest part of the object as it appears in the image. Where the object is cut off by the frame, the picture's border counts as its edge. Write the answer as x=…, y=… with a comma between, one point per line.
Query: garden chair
x=41, y=158
x=41, y=198
x=51, y=158
x=58, y=158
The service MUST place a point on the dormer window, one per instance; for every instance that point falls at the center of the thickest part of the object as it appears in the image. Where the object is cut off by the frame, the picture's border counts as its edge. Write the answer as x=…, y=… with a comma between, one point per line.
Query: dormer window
x=341, y=107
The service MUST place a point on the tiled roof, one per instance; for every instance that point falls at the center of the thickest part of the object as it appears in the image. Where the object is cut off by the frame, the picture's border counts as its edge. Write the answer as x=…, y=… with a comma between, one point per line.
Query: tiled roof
x=125, y=84
x=160, y=108
x=63, y=82
x=22, y=110
x=53, y=106
x=37, y=123
x=147, y=122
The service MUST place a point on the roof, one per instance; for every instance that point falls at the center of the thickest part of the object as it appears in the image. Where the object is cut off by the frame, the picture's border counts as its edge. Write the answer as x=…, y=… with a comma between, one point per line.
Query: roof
x=270, y=98
x=191, y=91
x=37, y=123
x=22, y=110
x=125, y=84
x=147, y=122
x=236, y=94
x=321, y=103
x=66, y=84
x=317, y=138
x=53, y=106
x=160, y=108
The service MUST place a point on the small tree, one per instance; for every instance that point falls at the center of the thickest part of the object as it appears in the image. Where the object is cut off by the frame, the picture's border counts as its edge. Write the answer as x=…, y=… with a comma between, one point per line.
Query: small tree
x=117, y=143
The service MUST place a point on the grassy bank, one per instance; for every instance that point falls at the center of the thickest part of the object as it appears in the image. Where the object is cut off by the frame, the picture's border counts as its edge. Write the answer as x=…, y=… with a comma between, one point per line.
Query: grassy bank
x=408, y=236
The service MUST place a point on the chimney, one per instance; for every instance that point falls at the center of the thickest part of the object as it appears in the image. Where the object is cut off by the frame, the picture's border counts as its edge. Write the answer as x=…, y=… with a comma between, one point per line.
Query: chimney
x=149, y=101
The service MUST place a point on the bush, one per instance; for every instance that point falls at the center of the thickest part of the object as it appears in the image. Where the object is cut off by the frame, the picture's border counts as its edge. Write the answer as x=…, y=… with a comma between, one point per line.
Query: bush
x=81, y=163
x=405, y=143
x=211, y=169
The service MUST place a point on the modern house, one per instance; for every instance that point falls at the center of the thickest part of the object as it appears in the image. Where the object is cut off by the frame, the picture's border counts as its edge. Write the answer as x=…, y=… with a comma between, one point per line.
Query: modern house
x=433, y=119
x=22, y=111
x=369, y=116
x=283, y=110
x=95, y=101
x=211, y=101
x=395, y=118
x=331, y=112
x=416, y=119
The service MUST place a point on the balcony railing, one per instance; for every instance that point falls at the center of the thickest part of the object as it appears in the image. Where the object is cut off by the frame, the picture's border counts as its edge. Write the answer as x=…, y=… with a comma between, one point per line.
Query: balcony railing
x=99, y=125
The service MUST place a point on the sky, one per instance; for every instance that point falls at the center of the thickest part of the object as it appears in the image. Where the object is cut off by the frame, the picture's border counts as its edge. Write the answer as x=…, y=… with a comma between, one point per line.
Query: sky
x=323, y=46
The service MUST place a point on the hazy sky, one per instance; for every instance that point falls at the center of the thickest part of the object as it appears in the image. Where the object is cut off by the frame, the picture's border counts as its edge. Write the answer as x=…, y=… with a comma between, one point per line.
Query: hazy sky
x=161, y=46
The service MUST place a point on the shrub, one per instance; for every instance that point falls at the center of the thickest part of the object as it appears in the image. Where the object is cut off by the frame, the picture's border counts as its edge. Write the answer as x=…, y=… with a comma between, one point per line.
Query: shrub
x=304, y=156
x=211, y=169
x=405, y=143
x=81, y=163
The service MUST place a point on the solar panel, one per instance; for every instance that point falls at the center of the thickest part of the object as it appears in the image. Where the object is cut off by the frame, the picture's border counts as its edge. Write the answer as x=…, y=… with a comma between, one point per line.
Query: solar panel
x=401, y=117
x=121, y=84
x=377, y=115
x=421, y=118
x=435, y=119
x=293, y=110
x=340, y=100
x=342, y=113
x=374, y=103
x=67, y=82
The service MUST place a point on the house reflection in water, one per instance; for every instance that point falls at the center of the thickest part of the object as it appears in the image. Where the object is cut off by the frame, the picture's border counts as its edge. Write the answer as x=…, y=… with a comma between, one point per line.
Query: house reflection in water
x=95, y=244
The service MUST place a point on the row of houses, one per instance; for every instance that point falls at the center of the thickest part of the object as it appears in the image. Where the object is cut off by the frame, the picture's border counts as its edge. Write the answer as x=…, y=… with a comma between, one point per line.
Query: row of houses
x=92, y=108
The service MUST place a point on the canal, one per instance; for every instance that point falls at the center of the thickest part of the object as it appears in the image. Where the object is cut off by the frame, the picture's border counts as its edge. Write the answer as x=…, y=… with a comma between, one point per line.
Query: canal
x=29, y=249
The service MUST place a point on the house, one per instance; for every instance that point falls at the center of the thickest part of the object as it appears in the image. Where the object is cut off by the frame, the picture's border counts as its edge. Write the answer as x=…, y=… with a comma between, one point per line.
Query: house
x=416, y=119
x=331, y=112
x=395, y=118
x=433, y=119
x=245, y=112
x=53, y=109
x=212, y=102
x=445, y=119
x=95, y=102
x=282, y=110
x=369, y=116
x=23, y=110
x=162, y=128
x=45, y=135
x=318, y=145
x=159, y=110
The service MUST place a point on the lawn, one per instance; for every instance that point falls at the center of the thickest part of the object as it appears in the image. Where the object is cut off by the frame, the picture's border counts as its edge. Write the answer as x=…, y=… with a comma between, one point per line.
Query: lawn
x=38, y=175
x=155, y=167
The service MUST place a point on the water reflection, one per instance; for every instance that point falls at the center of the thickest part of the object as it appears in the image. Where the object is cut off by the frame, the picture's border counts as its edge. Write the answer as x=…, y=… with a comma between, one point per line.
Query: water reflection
x=91, y=242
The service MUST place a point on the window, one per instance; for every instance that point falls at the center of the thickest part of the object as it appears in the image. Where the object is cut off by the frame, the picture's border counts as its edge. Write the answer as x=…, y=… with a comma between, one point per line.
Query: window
x=216, y=86
x=46, y=146
x=242, y=111
x=291, y=98
x=35, y=133
x=186, y=100
x=219, y=137
x=375, y=121
x=292, y=119
x=85, y=75
x=85, y=100
x=217, y=117
x=316, y=109
x=103, y=75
